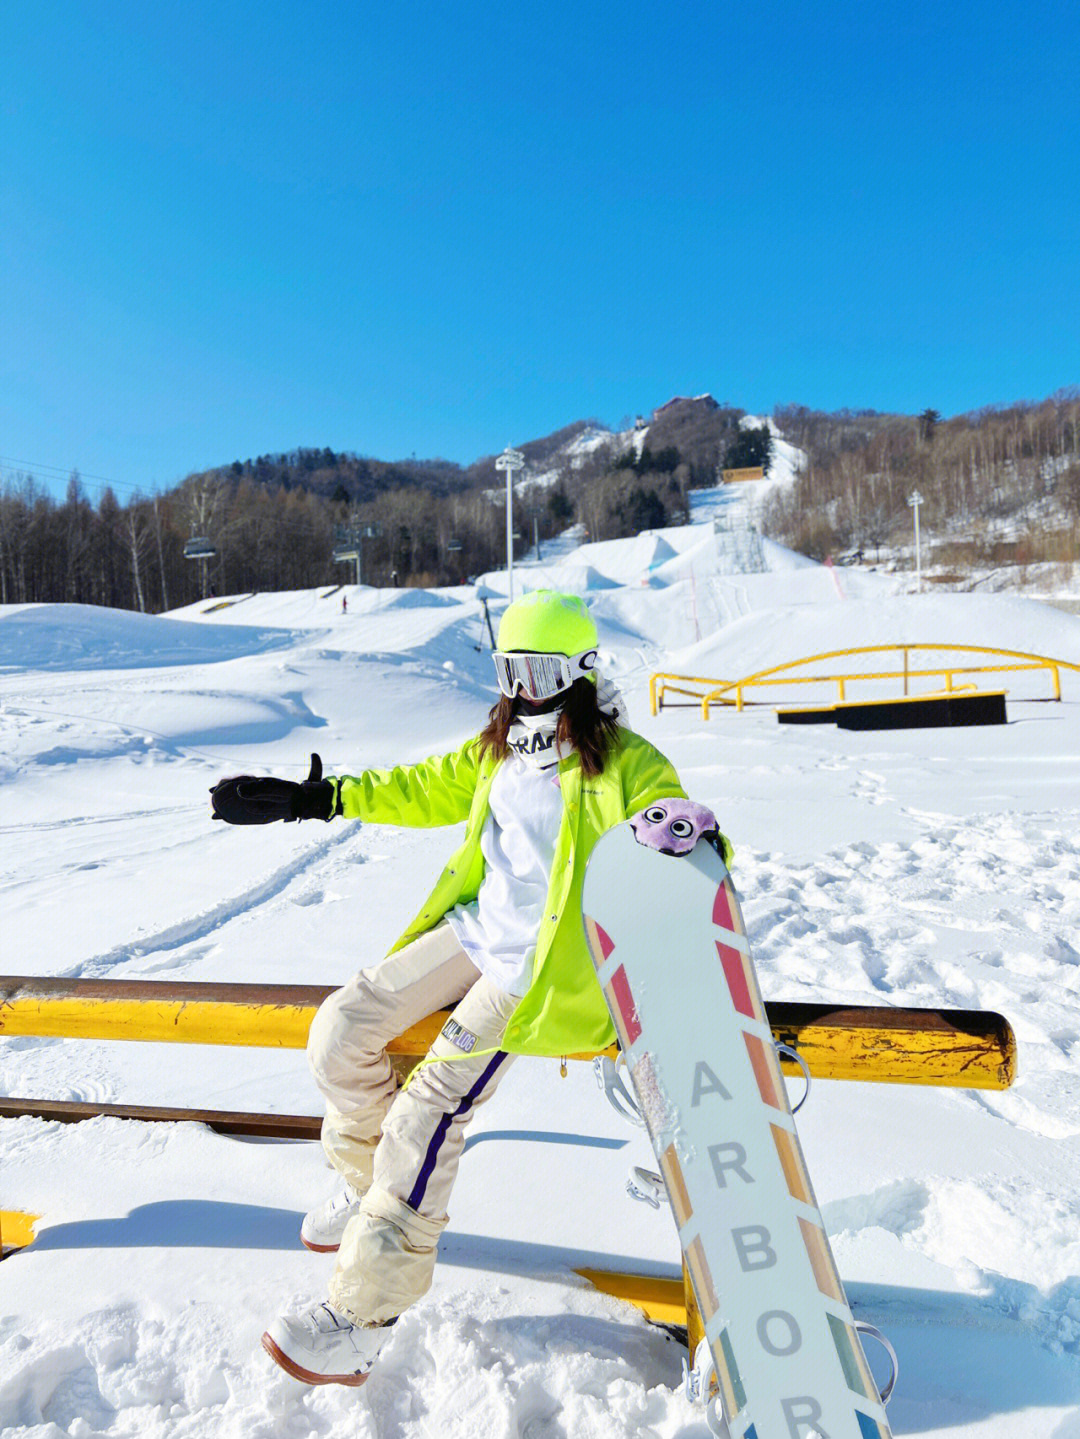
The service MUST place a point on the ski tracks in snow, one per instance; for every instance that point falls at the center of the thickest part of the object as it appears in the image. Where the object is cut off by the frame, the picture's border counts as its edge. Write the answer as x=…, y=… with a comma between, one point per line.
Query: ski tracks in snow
x=242, y=905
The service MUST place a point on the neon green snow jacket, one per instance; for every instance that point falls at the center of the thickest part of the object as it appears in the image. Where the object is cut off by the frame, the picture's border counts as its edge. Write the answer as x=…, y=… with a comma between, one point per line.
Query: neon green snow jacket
x=563, y=1011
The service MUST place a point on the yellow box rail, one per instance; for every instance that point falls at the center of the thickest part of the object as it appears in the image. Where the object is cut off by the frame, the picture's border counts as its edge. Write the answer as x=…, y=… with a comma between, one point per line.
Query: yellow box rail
x=709, y=692
x=970, y=1049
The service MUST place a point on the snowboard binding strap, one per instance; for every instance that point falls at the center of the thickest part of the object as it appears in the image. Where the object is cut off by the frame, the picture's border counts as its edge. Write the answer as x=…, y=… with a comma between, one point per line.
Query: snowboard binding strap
x=787, y=1051
x=615, y=1088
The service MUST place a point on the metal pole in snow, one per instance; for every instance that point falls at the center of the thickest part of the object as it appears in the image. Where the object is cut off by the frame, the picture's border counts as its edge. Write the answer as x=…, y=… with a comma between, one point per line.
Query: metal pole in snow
x=510, y=534
x=510, y=461
x=915, y=500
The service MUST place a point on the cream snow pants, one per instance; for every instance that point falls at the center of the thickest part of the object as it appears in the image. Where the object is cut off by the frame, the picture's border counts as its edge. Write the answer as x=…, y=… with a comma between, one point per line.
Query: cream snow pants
x=400, y=1147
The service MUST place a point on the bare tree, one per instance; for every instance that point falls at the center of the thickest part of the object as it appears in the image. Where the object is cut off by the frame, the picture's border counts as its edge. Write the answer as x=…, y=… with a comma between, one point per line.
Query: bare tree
x=137, y=536
x=161, y=555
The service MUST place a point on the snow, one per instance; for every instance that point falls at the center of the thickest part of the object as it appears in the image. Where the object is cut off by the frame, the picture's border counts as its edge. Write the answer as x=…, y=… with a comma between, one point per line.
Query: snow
x=83, y=637
x=810, y=620
x=929, y=867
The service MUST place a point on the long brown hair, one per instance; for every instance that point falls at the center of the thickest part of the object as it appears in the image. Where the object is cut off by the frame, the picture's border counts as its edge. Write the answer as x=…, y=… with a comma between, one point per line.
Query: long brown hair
x=582, y=726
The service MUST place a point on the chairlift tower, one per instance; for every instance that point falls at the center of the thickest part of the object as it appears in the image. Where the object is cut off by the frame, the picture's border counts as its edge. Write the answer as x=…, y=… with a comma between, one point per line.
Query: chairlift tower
x=349, y=545
x=201, y=548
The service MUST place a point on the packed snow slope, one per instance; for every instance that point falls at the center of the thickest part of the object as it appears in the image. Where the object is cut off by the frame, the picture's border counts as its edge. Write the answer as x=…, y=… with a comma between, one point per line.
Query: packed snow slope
x=921, y=867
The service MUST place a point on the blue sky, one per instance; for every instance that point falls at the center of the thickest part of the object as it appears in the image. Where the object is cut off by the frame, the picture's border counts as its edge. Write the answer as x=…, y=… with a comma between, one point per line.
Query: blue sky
x=230, y=229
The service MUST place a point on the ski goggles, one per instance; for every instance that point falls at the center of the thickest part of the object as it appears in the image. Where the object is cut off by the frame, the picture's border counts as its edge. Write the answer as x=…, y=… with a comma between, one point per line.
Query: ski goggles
x=539, y=676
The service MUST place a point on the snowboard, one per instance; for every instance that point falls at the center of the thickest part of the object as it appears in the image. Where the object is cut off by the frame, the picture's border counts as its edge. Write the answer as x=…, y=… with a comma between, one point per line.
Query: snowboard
x=671, y=954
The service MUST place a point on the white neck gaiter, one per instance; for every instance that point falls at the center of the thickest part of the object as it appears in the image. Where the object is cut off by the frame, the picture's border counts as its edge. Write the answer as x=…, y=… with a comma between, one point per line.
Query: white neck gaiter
x=532, y=736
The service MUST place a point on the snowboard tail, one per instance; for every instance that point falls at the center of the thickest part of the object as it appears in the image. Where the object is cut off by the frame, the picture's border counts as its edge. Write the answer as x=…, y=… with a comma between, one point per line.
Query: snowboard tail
x=672, y=958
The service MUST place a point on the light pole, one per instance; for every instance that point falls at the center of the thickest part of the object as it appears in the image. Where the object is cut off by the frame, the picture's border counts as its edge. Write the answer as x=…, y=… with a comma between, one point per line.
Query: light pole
x=510, y=461
x=914, y=501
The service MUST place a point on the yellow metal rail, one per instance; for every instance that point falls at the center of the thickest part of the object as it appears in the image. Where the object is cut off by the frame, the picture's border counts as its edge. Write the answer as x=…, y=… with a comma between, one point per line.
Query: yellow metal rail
x=17, y=1231
x=662, y=1300
x=709, y=692
x=969, y=1049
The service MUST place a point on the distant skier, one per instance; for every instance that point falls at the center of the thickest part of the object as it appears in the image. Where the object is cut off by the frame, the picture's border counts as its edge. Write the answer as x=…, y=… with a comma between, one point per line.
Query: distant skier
x=500, y=937
x=344, y=604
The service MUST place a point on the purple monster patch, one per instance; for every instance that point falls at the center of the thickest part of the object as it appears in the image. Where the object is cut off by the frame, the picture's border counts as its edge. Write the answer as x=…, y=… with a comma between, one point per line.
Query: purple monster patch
x=673, y=826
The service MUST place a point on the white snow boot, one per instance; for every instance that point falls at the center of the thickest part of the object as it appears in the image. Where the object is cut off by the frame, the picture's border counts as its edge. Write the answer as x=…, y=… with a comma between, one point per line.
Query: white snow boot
x=323, y=1226
x=323, y=1347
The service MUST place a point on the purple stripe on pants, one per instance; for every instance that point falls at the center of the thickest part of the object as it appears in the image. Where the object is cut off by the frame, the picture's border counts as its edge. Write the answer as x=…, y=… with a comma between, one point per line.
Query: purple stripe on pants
x=416, y=1198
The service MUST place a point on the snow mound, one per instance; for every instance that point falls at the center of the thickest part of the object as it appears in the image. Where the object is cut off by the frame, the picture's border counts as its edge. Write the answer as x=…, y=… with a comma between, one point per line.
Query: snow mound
x=415, y=599
x=626, y=561
x=578, y=579
x=89, y=637
x=779, y=557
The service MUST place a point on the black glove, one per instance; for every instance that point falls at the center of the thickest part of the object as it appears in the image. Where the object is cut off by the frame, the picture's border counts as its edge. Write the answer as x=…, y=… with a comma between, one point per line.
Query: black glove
x=248, y=799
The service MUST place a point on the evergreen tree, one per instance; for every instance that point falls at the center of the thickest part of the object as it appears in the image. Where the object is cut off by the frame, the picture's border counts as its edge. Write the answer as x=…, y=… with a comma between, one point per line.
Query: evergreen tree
x=644, y=510
x=751, y=447
x=928, y=422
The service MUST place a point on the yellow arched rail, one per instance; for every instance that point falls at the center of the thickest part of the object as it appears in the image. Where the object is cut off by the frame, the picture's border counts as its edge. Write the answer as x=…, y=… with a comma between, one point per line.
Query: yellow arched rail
x=732, y=692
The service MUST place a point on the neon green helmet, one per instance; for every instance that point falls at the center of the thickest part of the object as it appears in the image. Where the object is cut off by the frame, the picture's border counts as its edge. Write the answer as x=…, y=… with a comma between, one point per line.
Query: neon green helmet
x=547, y=622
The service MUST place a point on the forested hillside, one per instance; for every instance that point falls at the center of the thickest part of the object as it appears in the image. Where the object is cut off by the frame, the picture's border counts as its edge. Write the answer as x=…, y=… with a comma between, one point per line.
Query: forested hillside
x=999, y=486
x=274, y=522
